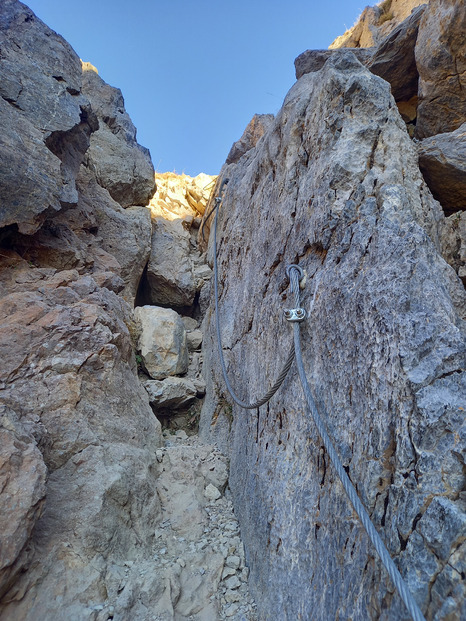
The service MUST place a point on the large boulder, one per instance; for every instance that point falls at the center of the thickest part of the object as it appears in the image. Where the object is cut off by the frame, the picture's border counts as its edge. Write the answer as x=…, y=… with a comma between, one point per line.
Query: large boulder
x=442, y=160
x=171, y=393
x=40, y=92
x=170, y=272
x=453, y=242
x=162, y=341
x=384, y=349
x=313, y=60
x=394, y=59
x=121, y=165
x=441, y=62
x=68, y=368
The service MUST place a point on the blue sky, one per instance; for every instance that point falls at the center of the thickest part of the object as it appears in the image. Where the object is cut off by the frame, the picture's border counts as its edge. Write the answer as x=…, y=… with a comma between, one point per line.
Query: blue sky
x=193, y=73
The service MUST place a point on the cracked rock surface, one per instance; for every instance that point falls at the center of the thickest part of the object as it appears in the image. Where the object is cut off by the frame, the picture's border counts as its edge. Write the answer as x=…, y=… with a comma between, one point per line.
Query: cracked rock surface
x=334, y=185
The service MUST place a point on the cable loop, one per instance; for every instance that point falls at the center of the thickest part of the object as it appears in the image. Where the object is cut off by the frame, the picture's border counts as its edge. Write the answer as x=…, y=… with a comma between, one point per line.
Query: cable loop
x=290, y=359
x=295, y=274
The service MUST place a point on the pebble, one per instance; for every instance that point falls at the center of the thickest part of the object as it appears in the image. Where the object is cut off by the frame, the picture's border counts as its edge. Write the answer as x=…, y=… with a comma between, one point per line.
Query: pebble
x=233, y=561
x=231, y=610
x=232, y=596
x=219, y=534
x=232, y=583
x=228, y=571
x=211, y=492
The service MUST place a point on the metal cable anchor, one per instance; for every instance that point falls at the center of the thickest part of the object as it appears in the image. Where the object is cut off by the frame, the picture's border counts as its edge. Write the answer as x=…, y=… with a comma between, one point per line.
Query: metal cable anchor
x=295, y=314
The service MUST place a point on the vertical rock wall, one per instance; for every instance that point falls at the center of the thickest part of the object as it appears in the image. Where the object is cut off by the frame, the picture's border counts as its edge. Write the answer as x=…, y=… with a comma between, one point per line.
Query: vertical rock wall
x=77, y=461
x=334, y=185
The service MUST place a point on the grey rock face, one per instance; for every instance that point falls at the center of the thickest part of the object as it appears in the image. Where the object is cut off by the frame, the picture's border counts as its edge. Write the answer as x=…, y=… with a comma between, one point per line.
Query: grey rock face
x=254, y=131
x=121, y=165
x=313, y=60
x=22, y=485
x=442, y=160
x=40, y=92
x=334, y=185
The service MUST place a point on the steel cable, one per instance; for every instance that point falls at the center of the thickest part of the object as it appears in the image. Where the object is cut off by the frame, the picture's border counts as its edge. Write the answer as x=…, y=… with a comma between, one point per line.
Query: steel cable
x=374, y=536
x=294, y=275
x=289, y=361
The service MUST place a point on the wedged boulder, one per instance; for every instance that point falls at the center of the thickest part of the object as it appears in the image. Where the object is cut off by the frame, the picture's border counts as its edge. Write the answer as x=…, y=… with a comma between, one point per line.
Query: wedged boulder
x=171, y=393
x=255, y=129
x=442, y=160
x=40, y=92
x=394, y=60
x=441, y=63
x=162, y=341
x=22, y=484
x=313, y=60
x=170, y=276
x=384, y=347
x=124, y=234
x=121, y=165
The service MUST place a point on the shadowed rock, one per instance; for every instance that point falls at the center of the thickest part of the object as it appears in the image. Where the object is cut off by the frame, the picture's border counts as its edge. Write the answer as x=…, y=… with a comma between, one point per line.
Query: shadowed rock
x=394, y=60
x=442, y=160
x=441, y=63
x=40, y=91
x=121, y=165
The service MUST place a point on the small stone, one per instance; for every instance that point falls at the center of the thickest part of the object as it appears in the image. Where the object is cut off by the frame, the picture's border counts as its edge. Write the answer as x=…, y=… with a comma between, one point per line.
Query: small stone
x=211, y=492
x=232, y=583
x=231, y=610
x=190, y=324
x=232, y=596
x=228, y=571
x=245, y=574
x=203, y=271
x=163, y=551
x=194, y=339
x=231, y=526
x=233, y=561
x=181, y=562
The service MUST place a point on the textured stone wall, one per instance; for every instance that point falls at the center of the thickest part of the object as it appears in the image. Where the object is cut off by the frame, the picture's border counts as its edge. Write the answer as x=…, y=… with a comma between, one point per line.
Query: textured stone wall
x=334, y=185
